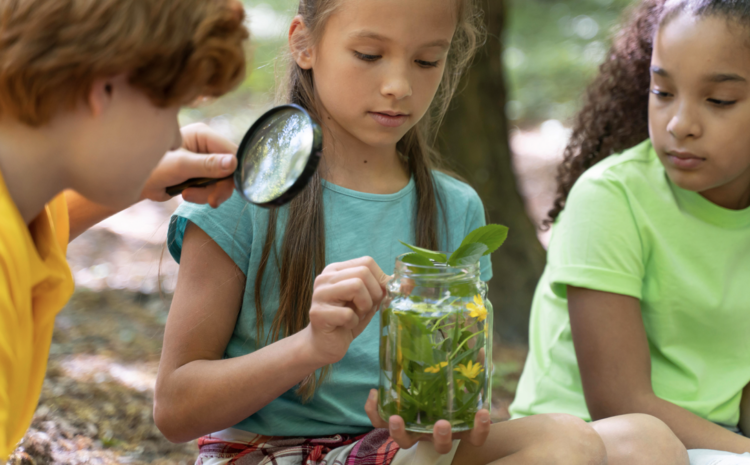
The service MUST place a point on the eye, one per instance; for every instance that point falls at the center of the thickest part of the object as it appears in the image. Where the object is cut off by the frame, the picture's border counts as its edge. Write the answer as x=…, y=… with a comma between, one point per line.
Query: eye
x=427, y=64
x=660, y=94
x=722, y=103
x=365, y=57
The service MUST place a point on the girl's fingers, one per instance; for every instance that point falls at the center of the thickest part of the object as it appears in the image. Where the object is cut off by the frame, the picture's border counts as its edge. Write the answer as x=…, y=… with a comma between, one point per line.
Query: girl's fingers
x=363, y=273
x=369, y=262
x=399, y=434
x=481, y=430
x=331, y=317
x=351, y=290
x=442, y=439
x=371, y=408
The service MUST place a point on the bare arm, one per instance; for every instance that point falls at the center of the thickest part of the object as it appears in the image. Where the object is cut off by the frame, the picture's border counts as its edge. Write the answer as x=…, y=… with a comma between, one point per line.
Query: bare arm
x=84, y=213
x=613, y=356
x=745, y=411
x=198, y=392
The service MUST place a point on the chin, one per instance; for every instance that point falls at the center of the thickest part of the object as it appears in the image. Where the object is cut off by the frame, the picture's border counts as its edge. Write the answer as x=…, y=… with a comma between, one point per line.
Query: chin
x=689, y=181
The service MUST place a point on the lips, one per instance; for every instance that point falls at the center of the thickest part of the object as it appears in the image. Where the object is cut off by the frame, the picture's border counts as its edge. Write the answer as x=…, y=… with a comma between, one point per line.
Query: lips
x=389, y=119
x=684, y=160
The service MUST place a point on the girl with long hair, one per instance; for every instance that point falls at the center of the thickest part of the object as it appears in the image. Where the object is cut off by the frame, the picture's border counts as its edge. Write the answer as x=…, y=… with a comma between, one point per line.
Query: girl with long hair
x=270, y=348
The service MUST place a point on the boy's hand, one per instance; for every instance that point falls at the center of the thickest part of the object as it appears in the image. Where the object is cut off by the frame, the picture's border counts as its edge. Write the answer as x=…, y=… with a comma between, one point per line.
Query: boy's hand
x=441, y=437
x=345, y=297
x=204, y=154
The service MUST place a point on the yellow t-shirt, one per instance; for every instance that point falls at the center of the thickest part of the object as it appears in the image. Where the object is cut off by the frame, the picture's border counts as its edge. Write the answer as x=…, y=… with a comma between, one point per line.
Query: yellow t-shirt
x=35, y=283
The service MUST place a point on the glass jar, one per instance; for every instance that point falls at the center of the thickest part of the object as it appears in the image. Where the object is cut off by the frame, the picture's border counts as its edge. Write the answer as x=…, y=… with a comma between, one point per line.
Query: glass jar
x=435, y=346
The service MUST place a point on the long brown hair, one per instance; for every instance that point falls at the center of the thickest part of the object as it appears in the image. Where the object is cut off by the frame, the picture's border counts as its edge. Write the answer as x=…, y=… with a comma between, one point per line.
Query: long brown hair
x=302, y=255
x=615, y=113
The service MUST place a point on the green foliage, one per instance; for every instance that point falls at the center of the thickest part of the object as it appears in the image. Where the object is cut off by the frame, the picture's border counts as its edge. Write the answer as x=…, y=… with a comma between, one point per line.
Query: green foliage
x=467, y=254
x=491, y=235
x=438, y=371
x=428, y=254
x=552, y=51
x=481, y=241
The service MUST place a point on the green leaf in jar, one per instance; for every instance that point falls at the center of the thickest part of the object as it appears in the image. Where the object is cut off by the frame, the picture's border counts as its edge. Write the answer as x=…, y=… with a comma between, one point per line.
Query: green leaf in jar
x=467, y=254
x=429, y=254
x=417, y=259
x=491, y=235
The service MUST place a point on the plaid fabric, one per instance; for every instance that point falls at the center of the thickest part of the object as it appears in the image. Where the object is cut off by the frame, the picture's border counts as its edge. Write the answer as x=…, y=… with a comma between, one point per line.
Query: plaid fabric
x=373, y=448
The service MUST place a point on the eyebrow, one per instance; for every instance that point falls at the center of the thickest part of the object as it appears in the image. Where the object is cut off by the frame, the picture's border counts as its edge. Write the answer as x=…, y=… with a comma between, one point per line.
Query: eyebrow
x=442, y=43
x=714, y=78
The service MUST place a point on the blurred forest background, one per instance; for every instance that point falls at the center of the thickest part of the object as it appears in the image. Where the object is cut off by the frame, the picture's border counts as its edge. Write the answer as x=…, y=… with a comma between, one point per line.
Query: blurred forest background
x=504, y=134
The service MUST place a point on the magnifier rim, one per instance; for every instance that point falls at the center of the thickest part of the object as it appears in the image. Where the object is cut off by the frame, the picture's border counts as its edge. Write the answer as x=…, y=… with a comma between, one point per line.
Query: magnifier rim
x=310, y=166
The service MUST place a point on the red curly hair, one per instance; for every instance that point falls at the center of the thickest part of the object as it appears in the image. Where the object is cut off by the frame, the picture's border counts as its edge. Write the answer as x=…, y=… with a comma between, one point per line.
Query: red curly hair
x=173, y=50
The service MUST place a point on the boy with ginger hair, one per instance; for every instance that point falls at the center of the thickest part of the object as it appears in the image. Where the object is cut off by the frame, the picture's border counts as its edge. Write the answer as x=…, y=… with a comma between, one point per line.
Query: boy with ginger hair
x=89, y=96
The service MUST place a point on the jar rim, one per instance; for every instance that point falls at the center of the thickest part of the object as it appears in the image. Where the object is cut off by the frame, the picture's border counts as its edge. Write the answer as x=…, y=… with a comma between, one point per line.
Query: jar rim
x=443, y=271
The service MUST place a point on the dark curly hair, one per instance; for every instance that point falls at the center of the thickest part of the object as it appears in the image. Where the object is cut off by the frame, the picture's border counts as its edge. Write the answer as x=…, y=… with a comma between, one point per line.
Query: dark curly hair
x=614, y=116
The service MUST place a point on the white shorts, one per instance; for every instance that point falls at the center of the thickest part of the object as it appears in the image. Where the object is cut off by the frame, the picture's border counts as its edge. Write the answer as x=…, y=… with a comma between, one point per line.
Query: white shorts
x=717, y=457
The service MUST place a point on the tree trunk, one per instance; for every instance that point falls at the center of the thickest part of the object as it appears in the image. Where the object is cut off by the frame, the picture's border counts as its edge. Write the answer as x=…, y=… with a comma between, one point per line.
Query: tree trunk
x=475, y=139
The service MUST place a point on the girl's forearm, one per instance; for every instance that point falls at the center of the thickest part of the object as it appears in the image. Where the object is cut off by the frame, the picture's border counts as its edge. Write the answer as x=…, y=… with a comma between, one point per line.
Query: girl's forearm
x=694, y=432
x=204, y=396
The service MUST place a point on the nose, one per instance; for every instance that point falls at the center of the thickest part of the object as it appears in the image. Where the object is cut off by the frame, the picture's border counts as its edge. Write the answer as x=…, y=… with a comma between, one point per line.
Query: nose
x=684, y=123
x=397, y=82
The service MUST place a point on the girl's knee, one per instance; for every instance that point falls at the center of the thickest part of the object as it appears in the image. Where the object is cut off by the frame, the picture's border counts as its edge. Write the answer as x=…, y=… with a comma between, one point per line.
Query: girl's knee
x=567, y=439
x=642, y=439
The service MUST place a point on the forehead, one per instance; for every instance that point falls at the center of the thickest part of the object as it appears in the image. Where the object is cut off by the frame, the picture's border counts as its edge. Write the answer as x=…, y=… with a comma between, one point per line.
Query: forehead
x=412, y=20
x=700, y=46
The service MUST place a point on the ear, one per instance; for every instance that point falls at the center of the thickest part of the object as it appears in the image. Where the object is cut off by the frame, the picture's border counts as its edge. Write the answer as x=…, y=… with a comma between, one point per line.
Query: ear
x=299, y=43
x=100, y=95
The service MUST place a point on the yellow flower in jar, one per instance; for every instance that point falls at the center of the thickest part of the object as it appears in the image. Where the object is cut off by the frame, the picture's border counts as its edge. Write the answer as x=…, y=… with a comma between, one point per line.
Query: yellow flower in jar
x=436, y=368
x=470, y=370
x=477, y=309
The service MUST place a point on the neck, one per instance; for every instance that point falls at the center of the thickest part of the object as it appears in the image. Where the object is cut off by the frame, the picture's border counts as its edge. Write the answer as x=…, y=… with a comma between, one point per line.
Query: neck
x=31, y=165
x=734, y=195
x=350, y=163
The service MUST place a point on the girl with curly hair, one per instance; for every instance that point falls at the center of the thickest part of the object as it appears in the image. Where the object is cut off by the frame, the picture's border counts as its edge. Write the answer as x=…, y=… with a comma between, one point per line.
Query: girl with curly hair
x=642, y=307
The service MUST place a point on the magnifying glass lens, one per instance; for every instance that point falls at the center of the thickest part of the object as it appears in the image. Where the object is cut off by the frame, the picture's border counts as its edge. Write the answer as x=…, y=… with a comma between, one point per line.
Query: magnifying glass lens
x=276, y=155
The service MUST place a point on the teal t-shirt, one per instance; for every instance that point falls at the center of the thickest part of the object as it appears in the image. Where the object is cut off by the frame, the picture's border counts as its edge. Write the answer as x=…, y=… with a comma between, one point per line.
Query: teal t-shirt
x=627, y=229
x=357, y=224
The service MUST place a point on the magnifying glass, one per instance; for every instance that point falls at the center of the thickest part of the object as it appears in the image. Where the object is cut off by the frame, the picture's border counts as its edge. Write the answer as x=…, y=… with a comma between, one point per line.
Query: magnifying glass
x=276, y=158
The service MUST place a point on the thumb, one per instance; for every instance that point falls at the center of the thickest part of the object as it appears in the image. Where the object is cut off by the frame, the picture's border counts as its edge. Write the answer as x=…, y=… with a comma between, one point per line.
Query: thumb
x=207, y=166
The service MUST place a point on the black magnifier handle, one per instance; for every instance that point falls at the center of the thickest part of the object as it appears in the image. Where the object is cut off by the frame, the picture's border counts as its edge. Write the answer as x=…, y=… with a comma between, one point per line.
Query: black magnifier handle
x=195, y=182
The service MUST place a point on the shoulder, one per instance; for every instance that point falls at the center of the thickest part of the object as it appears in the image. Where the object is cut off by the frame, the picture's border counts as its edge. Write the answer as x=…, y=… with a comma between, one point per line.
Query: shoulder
x=230, y=225
x=633, y=168
x=454, y=192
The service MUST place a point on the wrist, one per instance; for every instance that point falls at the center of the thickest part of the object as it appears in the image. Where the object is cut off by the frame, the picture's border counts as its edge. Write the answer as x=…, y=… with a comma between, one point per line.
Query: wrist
x=305, y=351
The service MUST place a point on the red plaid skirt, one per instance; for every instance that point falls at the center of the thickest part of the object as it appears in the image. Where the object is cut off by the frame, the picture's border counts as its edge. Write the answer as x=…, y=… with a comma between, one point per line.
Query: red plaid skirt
x=373, y=448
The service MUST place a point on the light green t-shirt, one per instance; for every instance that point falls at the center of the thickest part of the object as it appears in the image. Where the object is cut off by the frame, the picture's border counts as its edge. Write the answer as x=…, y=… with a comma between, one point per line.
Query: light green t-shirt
x=627, y=229
x=357, y=224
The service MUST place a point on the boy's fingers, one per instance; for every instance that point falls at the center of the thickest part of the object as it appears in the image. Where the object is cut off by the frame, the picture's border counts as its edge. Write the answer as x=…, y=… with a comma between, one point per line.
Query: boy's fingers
x=193, y=165
x=200, y=138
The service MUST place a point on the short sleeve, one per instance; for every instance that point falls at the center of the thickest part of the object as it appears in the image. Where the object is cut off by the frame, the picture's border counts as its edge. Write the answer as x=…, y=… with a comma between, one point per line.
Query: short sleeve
x=476, y=219
x=230, y=226
x=8, y=363
x=596, y=242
